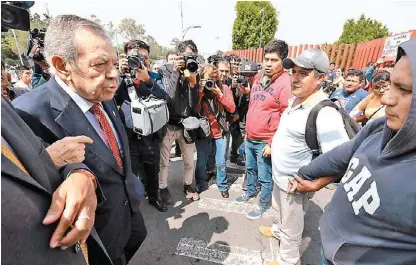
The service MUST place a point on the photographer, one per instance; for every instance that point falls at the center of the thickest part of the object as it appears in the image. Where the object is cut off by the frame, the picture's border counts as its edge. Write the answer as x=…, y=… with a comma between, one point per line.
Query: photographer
x=35, y=45
x=181, y=84
x=240, y=87
x=144, y=150
x=215, y=102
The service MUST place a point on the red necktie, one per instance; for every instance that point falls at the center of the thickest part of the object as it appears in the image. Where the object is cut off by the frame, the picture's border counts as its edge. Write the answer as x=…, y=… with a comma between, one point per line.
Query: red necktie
x=108, y=131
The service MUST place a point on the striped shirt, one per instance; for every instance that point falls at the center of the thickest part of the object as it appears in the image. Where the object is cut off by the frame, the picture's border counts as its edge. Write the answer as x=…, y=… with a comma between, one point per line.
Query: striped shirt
x=289, y=149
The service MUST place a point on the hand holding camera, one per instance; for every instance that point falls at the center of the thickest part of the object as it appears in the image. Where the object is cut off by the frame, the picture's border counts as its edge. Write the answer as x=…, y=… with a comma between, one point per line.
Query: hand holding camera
x=123, y=65
x=179, y=64
x=212, y=86
x=143, y=74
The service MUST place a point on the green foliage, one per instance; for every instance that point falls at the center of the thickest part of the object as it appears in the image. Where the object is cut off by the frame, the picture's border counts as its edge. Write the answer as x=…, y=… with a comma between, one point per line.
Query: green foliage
x=9, y=50
x=127, y=29
x=247, y=24
x=131, y=30
x=364, y=29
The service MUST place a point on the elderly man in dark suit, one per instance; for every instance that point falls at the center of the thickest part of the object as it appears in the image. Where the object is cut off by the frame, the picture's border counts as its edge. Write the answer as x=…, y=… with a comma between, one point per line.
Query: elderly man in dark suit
x=29, y=182
x=77, y=100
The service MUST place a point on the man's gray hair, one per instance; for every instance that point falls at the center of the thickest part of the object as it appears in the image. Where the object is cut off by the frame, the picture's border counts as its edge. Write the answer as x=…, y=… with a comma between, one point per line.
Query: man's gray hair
x=60, y=37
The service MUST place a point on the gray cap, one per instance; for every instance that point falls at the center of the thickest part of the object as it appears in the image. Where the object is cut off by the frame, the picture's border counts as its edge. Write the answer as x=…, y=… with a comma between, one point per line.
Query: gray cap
x=310, y=59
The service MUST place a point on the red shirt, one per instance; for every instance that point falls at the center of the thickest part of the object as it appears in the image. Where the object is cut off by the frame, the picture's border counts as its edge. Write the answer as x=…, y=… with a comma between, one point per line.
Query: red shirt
x=266, y=106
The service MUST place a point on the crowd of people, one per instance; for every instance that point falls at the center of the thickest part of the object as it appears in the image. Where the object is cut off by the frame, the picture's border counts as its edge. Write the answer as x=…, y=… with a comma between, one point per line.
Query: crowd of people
x=75, y=167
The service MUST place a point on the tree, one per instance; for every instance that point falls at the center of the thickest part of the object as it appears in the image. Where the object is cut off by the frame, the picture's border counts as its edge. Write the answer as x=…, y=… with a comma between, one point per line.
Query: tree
x=248, y=24
x=364, y=29
x=130, y=30
x=8, y=44
x=95, y=19
x=174, y=42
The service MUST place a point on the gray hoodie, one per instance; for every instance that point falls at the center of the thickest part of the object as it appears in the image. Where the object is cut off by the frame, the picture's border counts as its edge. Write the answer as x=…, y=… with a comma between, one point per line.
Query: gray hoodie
x=371, y=218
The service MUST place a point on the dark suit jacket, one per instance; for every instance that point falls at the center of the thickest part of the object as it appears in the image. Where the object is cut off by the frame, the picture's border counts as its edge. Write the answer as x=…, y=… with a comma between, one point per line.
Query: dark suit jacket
x=52, y=114
x=26, y=199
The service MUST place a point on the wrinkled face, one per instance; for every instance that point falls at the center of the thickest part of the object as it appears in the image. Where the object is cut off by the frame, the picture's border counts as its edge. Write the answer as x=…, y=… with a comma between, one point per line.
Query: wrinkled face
x=171, y=58
x=26, y=77
x=398, y=98
x=142, y=52
x=94, y=75
x=304, y=82
x=351, y=84
x=272, y=64
x=224, y=70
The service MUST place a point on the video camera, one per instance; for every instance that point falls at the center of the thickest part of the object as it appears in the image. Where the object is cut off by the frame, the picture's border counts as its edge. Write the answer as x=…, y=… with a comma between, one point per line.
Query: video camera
x=328, y=87
x=36, y=37
x=247, y=69
x=15, y=15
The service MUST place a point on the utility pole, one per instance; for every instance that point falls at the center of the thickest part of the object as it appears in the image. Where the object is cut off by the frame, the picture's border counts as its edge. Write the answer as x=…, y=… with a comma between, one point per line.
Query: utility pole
x=261, y=27
x=181, y=18
x=117, y=43
x=17, y=46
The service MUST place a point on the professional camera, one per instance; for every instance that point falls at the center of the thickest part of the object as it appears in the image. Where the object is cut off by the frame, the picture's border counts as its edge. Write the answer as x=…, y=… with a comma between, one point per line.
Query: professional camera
x=210, y=84
x=36, y=37
x=14, y=15
x=247, y=69
x=214, y=59
x=328, y=87
x=135, y=61
x=191, y=62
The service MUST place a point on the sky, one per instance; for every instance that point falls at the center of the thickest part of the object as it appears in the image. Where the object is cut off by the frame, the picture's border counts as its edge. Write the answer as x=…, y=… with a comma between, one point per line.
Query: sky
x=300, y=21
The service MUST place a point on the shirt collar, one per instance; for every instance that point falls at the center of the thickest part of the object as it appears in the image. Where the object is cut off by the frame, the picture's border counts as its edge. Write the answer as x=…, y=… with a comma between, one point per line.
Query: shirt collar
x=82, y=103
x=264, y=82
x=311, y=101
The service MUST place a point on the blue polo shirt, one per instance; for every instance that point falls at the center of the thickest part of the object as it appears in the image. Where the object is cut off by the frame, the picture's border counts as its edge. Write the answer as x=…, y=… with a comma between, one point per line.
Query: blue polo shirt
x=349, y=101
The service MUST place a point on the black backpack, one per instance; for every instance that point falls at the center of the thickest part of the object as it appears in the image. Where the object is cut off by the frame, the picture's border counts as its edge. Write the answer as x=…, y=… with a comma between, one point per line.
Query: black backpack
x=351, y=126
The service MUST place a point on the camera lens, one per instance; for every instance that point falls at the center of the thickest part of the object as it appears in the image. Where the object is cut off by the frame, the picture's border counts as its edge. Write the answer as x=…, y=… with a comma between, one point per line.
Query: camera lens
x=191, y=65
x=134, y=63
x=209, y=84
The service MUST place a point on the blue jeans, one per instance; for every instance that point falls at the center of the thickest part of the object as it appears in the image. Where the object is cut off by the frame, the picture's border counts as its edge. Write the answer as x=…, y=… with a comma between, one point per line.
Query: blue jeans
x=211, y=156
x=258, y=168
x=203, y=150
x=220, y=161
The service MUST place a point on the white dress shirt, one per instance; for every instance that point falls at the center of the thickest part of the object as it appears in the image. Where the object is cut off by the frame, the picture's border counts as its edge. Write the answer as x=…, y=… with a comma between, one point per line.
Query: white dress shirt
x=85, y=107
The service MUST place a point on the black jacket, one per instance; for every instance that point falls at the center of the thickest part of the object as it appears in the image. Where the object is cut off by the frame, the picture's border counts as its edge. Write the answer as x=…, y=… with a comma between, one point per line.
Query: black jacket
x=26, y=199
x=52, y=114
x=241, y=101
x=182, y=99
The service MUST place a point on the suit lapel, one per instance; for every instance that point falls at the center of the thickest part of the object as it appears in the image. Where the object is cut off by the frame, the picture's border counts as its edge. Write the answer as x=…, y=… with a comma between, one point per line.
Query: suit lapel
x=70, y=117
x=13, y=171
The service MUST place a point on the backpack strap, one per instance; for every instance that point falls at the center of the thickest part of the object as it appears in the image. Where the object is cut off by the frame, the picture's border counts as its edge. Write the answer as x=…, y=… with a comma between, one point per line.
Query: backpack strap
x=311, y=134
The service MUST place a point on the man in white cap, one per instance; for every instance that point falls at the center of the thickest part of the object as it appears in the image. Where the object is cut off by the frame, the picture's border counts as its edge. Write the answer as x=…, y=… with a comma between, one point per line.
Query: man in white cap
x=290, y=150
